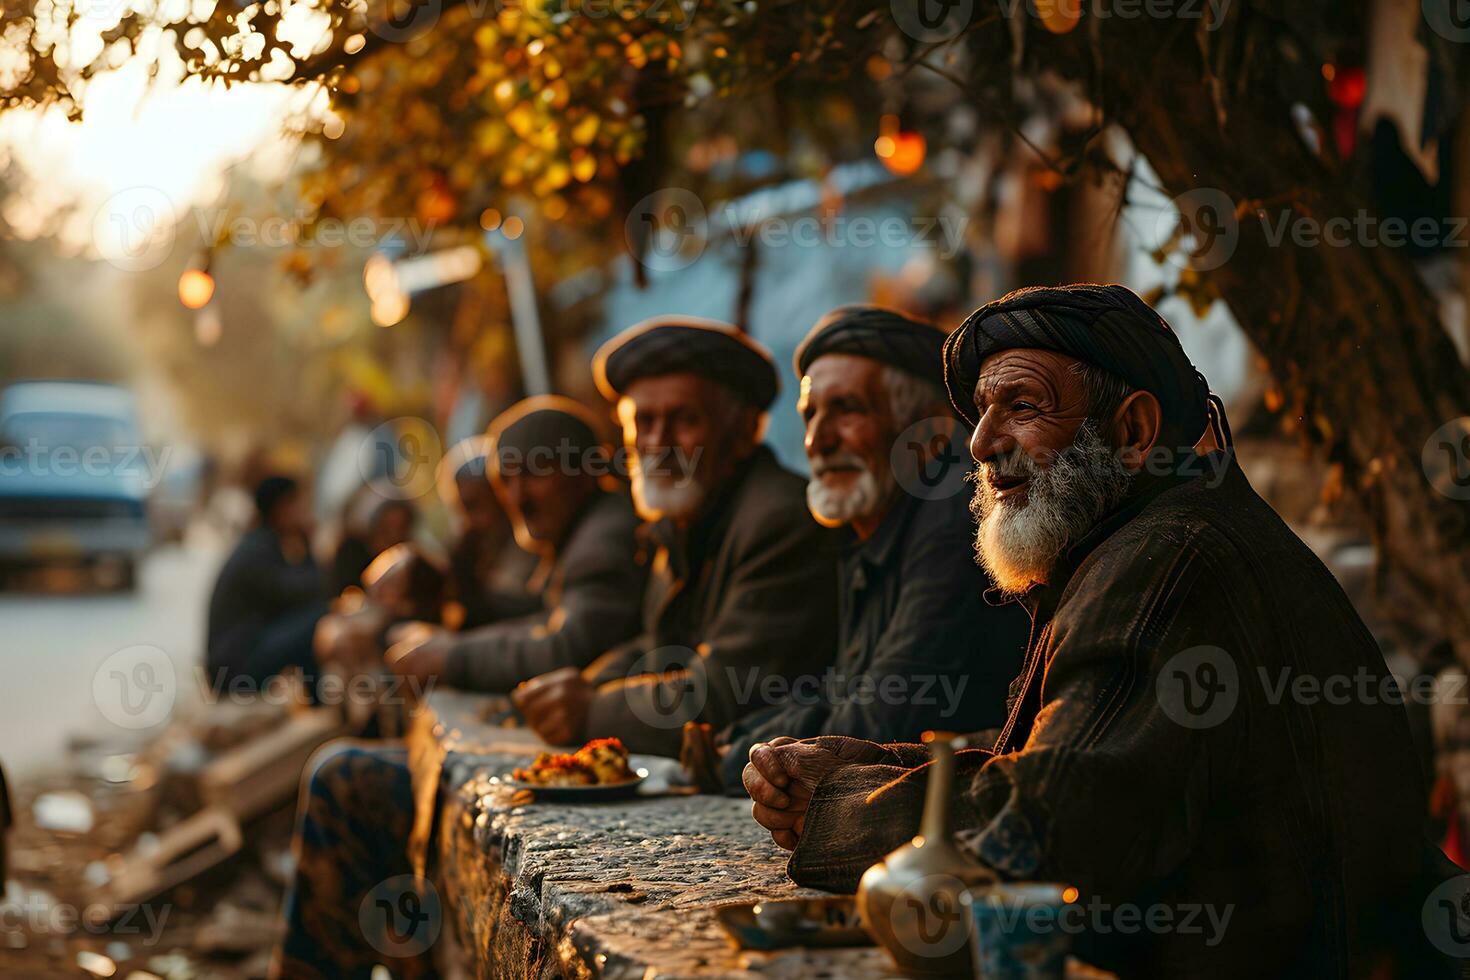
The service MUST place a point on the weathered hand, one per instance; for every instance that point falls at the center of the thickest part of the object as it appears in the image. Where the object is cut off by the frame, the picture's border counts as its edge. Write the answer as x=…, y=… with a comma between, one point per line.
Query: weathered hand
x=555, y=705
x=348, y=637
x=421, y=653
x=783, y=774
x=700, y=756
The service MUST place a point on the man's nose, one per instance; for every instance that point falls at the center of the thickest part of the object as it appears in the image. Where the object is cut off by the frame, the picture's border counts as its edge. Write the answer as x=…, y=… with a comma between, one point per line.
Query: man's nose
x=989, y=439
x=654, y=435
x=821, y=435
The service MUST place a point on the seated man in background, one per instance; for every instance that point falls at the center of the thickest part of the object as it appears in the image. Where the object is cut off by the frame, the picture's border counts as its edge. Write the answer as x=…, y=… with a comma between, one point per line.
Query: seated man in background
x=269, y=593
x=743, y=585
x=355, y=817
x=489, y=577
x=375, y=521
x=1148, y=758
x=549, y=466
x=920, y=648
x=402, y=585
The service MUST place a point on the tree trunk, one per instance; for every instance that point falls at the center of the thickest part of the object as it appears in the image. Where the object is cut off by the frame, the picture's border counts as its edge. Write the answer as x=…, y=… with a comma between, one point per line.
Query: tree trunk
x=1351, y=332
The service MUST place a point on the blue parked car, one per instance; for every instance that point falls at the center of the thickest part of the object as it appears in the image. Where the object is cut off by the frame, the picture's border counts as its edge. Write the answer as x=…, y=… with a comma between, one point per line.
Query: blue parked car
x=74, y=477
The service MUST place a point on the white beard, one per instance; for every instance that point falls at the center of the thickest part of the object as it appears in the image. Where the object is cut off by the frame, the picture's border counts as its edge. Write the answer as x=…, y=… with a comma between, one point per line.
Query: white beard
x=658, y=495
x=1018, y=544
x=863, y=498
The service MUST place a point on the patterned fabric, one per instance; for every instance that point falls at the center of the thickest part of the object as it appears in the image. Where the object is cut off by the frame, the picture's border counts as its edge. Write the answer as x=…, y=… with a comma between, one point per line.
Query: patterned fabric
x=352, y=870
x=883, y=335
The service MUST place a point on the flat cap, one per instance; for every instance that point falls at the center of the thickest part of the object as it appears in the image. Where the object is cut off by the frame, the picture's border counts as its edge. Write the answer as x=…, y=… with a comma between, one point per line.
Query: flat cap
x=884, y=335
x=1107, y=326
x=543, y=426
x=673, y=344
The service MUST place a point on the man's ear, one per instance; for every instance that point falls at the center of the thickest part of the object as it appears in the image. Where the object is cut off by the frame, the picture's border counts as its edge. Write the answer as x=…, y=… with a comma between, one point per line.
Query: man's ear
x=1136, y=426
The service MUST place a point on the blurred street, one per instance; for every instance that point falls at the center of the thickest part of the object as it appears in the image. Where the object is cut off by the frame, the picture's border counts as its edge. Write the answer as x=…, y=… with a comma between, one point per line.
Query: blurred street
x=58, y=638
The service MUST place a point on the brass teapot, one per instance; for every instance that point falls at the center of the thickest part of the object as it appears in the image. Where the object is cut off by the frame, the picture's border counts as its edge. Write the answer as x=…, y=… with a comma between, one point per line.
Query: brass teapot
x=910, y=900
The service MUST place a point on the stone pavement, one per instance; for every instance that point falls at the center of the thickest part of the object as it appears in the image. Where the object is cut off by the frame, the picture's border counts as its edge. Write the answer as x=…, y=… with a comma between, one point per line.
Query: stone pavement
x=619, y=889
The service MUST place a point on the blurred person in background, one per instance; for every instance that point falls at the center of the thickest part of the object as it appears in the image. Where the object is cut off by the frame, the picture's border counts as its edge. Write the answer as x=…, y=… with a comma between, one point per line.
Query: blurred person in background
x=548, y=464
x=743, y=584
x=269, y=593
x=489, y=576
x=551, y=469
x=374, y=521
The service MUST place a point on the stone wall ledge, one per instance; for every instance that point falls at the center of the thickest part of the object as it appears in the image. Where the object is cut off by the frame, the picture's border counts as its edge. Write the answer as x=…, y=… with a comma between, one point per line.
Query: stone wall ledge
x=615, y=890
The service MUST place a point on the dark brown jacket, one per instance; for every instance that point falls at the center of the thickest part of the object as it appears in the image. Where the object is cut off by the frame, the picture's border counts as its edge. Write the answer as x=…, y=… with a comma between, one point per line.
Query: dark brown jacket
x=592, y=598
x=1153, y=756
x=746, y=597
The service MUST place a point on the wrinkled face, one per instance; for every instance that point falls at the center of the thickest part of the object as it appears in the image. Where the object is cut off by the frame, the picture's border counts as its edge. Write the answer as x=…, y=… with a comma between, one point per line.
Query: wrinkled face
x=1028, y=402
x=542, y=506
x=686, y=434
x=477, y=504
x=1047, y=472
x=849, y=436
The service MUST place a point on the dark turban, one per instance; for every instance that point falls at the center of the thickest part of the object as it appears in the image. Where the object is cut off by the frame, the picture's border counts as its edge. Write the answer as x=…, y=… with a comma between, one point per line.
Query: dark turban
x=668, y=345
x=883, y=335
x=542, y=431
x=1106, y=326
x=270, y=492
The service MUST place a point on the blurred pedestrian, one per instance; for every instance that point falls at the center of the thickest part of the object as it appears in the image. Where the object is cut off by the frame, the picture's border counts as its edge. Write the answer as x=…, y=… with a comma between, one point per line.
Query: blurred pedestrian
x=269, y=593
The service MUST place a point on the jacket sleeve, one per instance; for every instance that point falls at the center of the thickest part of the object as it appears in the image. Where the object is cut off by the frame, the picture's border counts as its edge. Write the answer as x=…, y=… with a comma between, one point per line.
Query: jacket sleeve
x=1106, y=733
x=944, y=661
x=777, y=614
x=598, y=606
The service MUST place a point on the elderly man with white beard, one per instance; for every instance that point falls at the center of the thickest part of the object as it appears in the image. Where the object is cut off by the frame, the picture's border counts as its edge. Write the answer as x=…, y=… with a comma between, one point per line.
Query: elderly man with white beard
x=919, y=647
x=1153, y=758
x=742, y=593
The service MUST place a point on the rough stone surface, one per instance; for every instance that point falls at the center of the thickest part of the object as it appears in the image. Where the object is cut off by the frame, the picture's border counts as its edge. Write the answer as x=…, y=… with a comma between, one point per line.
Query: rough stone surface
x=618, y=889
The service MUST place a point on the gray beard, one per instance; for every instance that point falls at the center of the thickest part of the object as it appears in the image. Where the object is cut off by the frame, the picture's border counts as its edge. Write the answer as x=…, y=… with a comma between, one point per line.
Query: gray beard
x=862, y=499
x=1018, y=544
x=657, y=496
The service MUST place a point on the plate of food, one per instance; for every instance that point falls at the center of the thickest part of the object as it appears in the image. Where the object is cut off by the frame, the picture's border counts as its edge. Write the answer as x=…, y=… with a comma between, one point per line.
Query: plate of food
x=596, y=772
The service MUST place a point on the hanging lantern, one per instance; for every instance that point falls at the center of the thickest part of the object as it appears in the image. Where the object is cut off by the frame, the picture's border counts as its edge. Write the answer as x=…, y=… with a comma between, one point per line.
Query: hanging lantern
x=196, y=288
